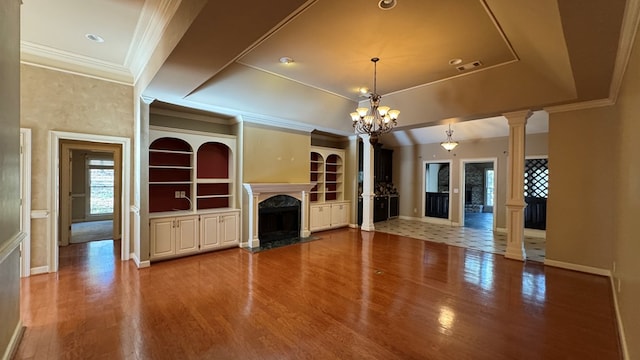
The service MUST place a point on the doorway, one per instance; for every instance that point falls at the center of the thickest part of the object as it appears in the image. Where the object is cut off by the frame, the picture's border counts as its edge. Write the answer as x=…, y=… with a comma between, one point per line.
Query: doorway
x=478, y=193
x=61, y=145
x=437, y=186
x=92, y=196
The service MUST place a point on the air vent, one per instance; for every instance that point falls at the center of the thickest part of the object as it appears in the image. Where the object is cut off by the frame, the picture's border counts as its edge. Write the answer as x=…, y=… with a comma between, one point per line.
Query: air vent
x=469, y=66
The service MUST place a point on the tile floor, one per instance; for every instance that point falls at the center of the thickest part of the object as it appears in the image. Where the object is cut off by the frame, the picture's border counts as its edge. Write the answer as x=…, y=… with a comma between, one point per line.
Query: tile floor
x=478, y=239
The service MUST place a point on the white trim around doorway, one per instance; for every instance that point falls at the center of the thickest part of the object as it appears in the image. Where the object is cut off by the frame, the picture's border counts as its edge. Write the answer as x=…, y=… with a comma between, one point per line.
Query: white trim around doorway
x=463, y=189
x=25, y=179
x=54, y=188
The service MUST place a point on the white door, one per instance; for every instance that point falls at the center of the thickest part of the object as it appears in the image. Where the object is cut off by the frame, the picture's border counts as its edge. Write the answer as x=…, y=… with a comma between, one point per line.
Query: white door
x=209, y=225
x=162, y=235
x=187, y=235
x=229, y=230
x=339, y=214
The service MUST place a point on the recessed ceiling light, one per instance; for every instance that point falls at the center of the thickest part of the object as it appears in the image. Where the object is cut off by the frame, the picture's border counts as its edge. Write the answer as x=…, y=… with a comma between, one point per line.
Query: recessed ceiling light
x=363, y=90
x=286, y=60
x=94, y=37
x=455, y=61
x=387, y=4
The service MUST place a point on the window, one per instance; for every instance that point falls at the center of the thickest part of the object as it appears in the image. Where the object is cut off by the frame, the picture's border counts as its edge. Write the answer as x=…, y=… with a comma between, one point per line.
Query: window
x=536, y=178
x=101, y=183
x=488, y=187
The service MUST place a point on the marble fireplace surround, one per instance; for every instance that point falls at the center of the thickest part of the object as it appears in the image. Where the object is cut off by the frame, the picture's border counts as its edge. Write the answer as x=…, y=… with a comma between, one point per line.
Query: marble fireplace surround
x=258, y=192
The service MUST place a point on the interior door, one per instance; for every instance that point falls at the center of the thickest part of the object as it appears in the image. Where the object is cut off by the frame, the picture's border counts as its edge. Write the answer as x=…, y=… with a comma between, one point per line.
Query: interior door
x=66, y=167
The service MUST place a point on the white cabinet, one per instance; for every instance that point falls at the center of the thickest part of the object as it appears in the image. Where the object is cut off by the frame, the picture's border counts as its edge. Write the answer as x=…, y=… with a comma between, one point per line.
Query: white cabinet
x=171, y=236
x=186, y=229
x=319, y=217
x=183, y=235
x=328, y=216
x=219, y=230
x=339, y=214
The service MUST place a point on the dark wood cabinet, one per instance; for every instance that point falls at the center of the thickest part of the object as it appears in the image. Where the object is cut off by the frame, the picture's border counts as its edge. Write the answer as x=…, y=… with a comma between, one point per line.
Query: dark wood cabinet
x=382, y=164
x=380, y=208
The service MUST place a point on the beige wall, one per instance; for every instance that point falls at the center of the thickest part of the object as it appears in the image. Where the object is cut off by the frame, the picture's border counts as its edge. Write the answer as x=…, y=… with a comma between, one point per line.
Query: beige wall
x=582, y=190
x=626, y=244
x=408, y=171
x=275, y=156
x=9, y=172
x=52, y=100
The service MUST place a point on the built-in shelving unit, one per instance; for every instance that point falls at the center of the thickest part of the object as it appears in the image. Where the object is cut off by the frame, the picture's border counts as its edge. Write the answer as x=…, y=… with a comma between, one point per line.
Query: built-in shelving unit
x=191, y=193
x=170, y=173
x=328, y=209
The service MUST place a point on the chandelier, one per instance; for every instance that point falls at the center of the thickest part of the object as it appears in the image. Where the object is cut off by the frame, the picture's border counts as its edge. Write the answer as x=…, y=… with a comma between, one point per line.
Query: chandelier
x=449, y=144
x=378, y=119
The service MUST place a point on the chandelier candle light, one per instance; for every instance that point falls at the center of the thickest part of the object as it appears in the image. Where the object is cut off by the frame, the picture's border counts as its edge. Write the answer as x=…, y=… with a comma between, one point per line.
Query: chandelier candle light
x=378, y=119
x=449, y=144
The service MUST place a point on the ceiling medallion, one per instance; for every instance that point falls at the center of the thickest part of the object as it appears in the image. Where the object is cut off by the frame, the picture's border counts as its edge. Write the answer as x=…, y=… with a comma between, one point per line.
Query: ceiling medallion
x=378, y=119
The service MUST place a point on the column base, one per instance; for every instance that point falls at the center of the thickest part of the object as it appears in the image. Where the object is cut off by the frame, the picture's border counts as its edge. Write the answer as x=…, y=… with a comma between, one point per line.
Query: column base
x=368, y=227
x=515, y=254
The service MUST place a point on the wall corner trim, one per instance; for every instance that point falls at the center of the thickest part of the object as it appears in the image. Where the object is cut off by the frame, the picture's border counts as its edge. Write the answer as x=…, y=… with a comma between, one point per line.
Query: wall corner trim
x=139, y=264
x=8, y=247
x=623, y=338
x=14, y=342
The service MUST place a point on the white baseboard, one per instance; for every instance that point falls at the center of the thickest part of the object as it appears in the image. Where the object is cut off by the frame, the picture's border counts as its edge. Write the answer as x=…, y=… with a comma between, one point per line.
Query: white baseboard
x=535, y=233
x=139, y=264
x=14, y=342
x=39, y=270
x=577, y=267
x=623, y=338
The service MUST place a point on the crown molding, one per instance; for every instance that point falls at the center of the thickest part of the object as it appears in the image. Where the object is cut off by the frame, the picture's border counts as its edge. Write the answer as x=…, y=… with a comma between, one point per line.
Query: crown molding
x=190, y=116
x=579, y=106
x=50, y=58
x=151, y=25
x=625, y=45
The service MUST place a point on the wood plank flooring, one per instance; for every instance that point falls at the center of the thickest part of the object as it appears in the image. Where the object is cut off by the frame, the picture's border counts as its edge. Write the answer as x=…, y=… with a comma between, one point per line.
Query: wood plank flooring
x=348, y=295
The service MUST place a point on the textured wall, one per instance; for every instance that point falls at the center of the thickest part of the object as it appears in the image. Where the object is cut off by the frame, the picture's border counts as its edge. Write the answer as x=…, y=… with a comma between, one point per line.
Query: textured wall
x=52, y=100
x=9, y=170
x=275, y=156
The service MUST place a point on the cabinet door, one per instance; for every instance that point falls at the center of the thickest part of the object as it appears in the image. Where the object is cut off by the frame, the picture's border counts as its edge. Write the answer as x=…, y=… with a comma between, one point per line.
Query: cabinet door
x=162, y=242
x=186, y=234
x=339, y=215
x=209, y=228
x=320, y=217
x=229, y=234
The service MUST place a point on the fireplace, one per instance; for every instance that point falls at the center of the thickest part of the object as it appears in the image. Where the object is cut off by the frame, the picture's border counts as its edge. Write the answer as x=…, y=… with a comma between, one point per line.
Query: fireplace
x=276, y=202
x=279, y=219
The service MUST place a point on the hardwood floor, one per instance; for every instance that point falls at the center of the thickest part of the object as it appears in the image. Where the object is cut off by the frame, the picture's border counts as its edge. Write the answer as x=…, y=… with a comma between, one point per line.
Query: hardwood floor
x=348, y=295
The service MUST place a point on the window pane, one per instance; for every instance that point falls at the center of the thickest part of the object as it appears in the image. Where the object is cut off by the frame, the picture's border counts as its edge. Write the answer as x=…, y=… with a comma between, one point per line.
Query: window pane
x=101, y=162
x=489, y=181
x=101, y=186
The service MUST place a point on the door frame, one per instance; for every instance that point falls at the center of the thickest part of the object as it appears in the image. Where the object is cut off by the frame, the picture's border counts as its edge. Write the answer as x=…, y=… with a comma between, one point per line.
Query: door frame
x=55, y=137
x=463, y=190
x=25, y=201
x=424, y=183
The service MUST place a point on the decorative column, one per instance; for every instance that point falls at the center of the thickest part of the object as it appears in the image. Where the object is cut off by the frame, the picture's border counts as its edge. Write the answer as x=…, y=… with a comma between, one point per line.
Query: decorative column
x=515, y=184
x=140, y=210
x=252, y=214
x=304, y=215
x=368, y=193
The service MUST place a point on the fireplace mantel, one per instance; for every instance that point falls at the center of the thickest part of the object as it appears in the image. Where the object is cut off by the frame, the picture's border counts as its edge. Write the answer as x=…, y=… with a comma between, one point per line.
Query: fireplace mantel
x=260, y=191
x=277, y=188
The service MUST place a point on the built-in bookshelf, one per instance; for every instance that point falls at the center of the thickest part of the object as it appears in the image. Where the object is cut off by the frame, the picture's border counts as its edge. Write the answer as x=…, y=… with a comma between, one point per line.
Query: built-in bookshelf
x=184, y=179
x=327, y=167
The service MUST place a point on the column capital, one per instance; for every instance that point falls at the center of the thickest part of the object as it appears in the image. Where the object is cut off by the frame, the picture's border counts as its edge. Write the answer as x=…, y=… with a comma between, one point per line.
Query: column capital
x=147, y=99
x=518, y=117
